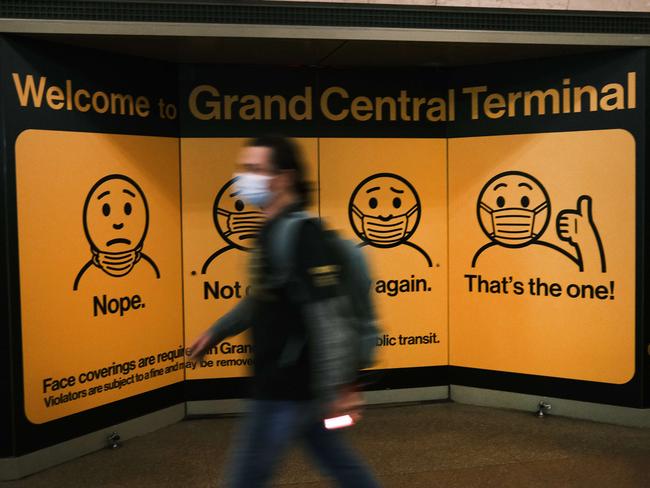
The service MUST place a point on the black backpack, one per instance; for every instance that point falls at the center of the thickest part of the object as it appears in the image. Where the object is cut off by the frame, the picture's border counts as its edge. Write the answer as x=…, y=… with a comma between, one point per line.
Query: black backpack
x=355, y=281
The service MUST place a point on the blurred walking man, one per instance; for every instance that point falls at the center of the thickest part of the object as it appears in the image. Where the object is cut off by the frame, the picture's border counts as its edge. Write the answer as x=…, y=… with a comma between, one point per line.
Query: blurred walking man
x=299, y=378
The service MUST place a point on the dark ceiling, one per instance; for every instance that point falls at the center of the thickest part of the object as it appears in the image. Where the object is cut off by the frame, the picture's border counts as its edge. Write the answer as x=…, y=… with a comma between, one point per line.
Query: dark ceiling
x=305, y=52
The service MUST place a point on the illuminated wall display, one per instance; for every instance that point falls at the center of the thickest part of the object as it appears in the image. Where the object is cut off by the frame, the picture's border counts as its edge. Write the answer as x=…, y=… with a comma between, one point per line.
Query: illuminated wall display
x=499, y=210
x=91, y=172
x=391, y=201
x=544, y=254
x=99, y=268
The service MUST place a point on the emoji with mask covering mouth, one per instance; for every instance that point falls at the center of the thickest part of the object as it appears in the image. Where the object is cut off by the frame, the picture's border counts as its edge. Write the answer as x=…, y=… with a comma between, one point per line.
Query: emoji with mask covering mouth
x=116, y=219
x=384, y=211
x=514, y=210
x=237, y=222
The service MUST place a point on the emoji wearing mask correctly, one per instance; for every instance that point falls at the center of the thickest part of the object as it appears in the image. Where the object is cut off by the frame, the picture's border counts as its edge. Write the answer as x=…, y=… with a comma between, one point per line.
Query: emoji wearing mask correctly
x=237, y=222
x=384, y=211
x=115, y=219
x=514, y=210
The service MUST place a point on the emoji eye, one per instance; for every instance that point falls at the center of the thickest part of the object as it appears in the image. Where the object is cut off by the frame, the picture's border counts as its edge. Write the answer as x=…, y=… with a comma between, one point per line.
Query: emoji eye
x=239, y=205
x=501, y=202
x=397, y=202
x=373, y=203
x=106, y=209
x=127, y=208
x=525, y=201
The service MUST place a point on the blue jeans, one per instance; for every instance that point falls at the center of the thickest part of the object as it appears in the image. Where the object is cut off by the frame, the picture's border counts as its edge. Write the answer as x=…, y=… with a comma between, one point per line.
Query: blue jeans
x=266, y=436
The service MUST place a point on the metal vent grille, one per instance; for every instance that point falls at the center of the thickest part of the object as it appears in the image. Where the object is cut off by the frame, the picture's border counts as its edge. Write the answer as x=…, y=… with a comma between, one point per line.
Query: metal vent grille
x=327, y=15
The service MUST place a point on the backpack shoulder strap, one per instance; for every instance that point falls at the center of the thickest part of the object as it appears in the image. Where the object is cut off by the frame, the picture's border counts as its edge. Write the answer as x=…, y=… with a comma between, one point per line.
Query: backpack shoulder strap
x=282, y=248
x=283, y=242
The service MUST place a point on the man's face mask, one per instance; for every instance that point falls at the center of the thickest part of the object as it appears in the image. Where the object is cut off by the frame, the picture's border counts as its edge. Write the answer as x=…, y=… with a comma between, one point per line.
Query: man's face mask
x=254, y=188
x=118, y=263
x=514, y=226
x=385, y=231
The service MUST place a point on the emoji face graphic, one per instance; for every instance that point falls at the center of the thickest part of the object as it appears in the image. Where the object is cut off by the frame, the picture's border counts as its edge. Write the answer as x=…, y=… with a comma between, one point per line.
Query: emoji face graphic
x=116, y=218
x=237, y=222
x=513, y=209
x=384, y=210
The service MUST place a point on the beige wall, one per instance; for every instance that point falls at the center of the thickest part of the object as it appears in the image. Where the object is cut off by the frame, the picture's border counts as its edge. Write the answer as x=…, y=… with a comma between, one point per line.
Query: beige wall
x=608, y=5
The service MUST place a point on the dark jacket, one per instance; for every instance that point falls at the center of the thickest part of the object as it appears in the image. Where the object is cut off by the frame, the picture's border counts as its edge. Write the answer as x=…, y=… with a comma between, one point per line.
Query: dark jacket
x=299, y=346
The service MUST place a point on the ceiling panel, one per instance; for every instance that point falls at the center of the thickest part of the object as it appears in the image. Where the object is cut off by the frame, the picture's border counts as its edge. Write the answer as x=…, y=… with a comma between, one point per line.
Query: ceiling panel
x=305, y=52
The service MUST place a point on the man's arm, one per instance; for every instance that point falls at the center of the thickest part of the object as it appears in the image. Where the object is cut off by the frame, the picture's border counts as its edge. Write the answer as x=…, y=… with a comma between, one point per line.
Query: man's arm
x=231, y=324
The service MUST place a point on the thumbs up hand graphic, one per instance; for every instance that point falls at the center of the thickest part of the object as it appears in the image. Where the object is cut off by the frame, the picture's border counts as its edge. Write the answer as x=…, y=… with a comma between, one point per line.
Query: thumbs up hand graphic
x=574, y=224
x=577, y=227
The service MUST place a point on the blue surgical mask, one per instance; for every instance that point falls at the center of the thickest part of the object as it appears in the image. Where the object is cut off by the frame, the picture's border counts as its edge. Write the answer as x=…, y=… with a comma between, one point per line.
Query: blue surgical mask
x=253, y=188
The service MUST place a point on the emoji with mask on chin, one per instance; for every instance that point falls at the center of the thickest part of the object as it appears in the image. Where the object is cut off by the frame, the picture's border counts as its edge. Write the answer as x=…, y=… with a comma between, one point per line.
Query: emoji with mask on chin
x=116, y=220
x=384, y=212
x=237, y=222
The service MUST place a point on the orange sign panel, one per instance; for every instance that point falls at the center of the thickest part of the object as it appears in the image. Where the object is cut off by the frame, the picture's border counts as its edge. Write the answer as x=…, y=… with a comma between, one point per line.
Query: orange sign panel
x=542, y=254
x=389, y=195
x=99, y=246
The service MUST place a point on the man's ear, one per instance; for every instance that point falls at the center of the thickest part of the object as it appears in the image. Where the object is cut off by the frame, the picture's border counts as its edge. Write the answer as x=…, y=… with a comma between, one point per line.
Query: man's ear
x=287, y=180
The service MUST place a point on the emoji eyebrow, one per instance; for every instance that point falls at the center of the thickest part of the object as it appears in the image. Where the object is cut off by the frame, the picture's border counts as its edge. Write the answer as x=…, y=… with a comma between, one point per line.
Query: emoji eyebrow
x=374, y=188
x=234, y=194
x=129, y=193
x=396, y=190
x=500, y=185
x=102, y=195
x=526, y=185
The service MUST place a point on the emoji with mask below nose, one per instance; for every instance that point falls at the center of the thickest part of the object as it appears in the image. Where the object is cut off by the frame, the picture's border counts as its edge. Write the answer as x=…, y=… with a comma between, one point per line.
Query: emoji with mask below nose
x=116, y=220
x=237, y=221
x=384, y=212
x=514, y=210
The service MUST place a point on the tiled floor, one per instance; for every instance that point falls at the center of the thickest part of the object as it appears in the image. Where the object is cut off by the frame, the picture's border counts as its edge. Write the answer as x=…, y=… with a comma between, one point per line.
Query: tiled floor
x=427, y=445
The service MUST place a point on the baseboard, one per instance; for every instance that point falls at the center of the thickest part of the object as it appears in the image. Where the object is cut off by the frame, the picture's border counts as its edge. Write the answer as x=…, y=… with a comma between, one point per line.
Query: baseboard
x=21, y=466
x=597, y=412
x=200, y=408
x=406, y=395
x=402, y=395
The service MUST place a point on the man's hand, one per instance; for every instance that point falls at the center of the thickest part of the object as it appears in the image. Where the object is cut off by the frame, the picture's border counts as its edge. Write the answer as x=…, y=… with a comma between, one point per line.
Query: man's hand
x=201, y=346
x=348, y=402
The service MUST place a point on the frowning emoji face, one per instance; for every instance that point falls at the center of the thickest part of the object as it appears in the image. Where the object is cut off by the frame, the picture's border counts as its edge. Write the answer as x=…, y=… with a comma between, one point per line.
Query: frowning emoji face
x=115, y=215
x=237, y=222
x=513, y=209
x=384, y=210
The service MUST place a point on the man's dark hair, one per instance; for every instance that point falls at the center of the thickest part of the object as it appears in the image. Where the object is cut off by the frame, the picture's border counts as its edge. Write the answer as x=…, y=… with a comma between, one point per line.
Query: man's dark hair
x=286, y=155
